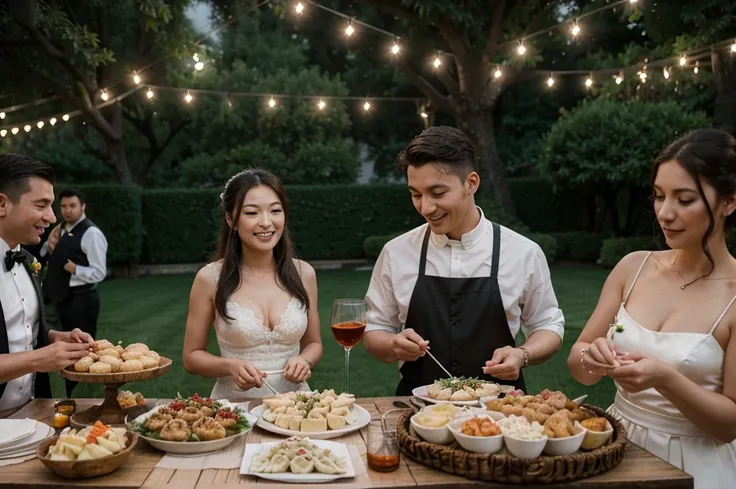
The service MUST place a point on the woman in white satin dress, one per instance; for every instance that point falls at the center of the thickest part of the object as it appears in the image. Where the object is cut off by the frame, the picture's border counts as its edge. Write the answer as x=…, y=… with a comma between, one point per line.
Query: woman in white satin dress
x=262, y=300
x=665, y=326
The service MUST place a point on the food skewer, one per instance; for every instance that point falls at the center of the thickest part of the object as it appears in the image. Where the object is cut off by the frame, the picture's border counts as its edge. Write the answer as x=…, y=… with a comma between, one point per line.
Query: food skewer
x=438, y=363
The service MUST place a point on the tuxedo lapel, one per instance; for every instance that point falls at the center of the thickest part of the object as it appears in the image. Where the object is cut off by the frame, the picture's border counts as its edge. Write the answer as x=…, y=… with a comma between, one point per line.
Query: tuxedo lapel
x=4, y=345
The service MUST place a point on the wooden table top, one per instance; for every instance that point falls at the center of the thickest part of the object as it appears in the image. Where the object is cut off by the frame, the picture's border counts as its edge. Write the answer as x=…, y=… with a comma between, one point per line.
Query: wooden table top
x=639, y=469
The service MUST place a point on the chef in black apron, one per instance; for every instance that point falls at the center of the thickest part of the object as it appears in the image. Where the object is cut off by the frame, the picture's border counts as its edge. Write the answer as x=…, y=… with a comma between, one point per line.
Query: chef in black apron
x=458, y=311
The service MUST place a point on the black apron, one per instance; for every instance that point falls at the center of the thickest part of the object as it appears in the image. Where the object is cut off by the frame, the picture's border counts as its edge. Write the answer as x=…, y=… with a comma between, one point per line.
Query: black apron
x=464, y=321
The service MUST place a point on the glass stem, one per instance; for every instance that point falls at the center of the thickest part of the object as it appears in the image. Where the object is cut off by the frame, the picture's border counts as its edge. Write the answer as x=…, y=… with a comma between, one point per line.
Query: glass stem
x=347, y=369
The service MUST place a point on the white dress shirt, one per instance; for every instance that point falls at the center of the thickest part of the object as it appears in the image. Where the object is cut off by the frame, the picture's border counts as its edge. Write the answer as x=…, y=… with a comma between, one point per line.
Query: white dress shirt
x=22, y=315
x=523, y=276
x=94, y=245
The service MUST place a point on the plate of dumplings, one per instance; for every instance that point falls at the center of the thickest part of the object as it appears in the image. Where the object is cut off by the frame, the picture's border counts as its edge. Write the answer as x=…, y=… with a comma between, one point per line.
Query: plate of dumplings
x=107, y=362
x=298, y=460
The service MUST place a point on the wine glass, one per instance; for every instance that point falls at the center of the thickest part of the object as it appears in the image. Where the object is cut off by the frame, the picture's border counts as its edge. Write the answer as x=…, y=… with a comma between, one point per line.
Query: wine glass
x=348, y=325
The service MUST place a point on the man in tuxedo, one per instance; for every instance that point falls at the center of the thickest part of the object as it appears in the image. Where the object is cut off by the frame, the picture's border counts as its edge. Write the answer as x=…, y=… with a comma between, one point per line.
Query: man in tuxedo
x=76, y=252
x=28, y=350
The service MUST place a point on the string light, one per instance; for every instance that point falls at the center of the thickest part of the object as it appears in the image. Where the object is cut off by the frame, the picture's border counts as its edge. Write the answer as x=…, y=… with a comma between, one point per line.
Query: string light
x=695, y=70
x=733, y=47
x=136, y=78
x=27, y=128
x=199, y=66
x=350, y=30
x=437, y=61
x=195, y=57
x=666, y=73
x=632, y=1
x=550, y=81
x=299, y=8
x=65, y=117
x=321, y=105
x=683, y=60
x=188, y=97
x=2, y=115
x=104, y=96
x=39, y=124
x=52, y=121
x=396, y=48
x=15, y=131
x=498, y=73
x=367, y=106
x=589, y=81
x=271, y=102
x=423, y=115
x=3, y=132
x=521, y=49
x=619, y=79
x=575, y=30
x=149, y=93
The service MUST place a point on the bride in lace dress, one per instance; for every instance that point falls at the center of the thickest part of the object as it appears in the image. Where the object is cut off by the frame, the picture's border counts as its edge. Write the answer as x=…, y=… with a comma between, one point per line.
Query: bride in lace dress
x=261, y=300
x=665, y=327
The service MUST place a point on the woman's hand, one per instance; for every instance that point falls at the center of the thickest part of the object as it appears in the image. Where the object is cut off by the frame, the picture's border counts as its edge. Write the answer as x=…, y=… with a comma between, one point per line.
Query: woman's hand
x=297, y=370
x=600, y=357
x=640, y=372
x=245, y=375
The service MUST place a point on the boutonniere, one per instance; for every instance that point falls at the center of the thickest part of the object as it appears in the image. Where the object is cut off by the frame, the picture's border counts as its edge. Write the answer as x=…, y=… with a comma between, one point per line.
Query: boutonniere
x=35, y=268
x=614, y=328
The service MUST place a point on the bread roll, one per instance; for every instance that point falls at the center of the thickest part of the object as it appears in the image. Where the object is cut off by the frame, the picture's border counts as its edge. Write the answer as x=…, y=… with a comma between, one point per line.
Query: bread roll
x=100, y=368
x=131, y=366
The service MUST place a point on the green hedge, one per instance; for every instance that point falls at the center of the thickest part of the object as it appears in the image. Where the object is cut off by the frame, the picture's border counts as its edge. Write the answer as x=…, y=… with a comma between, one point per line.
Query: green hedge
x=545, y=211
x=547, y=243
x=614, y=249
x=374, y=244
x=116, y=210
x=578, y=246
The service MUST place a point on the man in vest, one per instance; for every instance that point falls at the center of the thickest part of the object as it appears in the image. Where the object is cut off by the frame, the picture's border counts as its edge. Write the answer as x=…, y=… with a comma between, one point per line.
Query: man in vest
x=28, y=350
x=76, y=251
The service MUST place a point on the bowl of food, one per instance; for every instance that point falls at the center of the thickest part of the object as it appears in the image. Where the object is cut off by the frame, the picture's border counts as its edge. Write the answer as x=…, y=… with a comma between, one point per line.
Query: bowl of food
x=479, y=433
x=91, y=452
x=598, y=432
x=193, y=425
x=432, y=427
x=522, y=438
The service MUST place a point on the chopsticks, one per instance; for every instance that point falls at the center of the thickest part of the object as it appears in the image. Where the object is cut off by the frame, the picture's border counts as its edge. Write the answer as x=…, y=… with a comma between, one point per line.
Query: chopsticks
x=438, y=363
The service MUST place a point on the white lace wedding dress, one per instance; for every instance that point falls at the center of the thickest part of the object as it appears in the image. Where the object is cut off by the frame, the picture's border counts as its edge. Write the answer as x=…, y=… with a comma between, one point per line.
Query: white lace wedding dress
x=247, y=337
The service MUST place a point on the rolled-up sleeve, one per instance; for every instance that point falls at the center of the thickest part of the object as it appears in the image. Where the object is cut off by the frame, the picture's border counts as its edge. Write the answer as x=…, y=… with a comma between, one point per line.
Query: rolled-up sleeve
x=539, y=308
x=383, y=310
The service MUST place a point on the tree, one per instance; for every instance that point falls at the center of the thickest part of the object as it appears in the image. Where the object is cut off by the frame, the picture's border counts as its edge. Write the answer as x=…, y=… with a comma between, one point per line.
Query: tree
x=605, y=148
x=75, y=53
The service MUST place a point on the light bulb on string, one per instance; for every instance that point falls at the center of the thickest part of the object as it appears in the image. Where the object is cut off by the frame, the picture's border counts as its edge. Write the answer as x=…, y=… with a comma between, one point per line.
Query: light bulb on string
x=575, y=30
x=299, y=8
x=666, y=73
x=521, y=49
x=437, y=61
x=272, y=102
x=619, y=79
x=149, y=93
x=136, y=78
x=632, y=1
x=195, y=57
x=696, y=69
x=2, y=115
x=396, y=48
x=733, y=47
x=40, y=124
x=350, y=30
x=199, y=66
x=589, y=81
x=104, y=96
x=188, y=97
x=321, y=104
x=683, y=60
x=498, y=73
x=367, y=106
x=550, y=81
x=3, y=132
x=15, y=131
x=52, y=121
x=27, y=128
x=65, y=117
x=423, y=115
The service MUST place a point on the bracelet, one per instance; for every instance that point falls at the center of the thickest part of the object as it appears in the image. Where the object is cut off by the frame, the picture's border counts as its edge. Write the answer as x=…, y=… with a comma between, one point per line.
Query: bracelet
x=526, y=356
x=308, y=361
x=582, y=361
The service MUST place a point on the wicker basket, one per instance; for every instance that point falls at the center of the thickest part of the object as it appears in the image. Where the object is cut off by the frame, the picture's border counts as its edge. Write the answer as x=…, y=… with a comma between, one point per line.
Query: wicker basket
x=504, y=468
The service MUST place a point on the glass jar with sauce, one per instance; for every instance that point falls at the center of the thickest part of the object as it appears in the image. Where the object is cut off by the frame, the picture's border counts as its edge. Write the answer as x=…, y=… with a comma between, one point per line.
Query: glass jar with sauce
x=383, y=447
x=63, y=411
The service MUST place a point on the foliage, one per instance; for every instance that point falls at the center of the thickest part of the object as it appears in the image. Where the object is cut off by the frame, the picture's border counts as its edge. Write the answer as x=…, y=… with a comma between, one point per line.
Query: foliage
x=578, y=246
x=607, y=147
x=548, y=244
x=614, y=249
x=374, y=244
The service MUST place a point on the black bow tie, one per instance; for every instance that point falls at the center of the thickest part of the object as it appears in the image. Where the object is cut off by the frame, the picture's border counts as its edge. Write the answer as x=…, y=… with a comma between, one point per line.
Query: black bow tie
x=13, y=257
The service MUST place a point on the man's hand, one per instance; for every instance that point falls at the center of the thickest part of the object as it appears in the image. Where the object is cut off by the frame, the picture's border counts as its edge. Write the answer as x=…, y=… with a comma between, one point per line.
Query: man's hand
x=74, y=336
x=59, y=355
x=408, y=345
x=54, y=239
x=505, y=364
x=70, y=267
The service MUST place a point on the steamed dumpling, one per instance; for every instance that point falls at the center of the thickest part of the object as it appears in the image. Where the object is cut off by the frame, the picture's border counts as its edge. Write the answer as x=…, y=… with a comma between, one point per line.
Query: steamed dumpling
x=279, y=463
x=259, y=463
x=341, y=411
x=302, y=464
x=269, y=416
x=327, y=466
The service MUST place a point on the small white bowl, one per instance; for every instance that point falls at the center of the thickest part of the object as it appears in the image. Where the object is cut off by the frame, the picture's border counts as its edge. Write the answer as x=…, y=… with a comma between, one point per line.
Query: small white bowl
x=440, y=435
x=456, y=410
x=525, y=448
x=567, y=445
x=596, y=439
x=479, y=444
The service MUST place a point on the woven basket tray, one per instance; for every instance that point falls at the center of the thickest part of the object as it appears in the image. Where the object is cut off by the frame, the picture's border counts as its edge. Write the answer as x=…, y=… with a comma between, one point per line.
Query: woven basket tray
x=504, y=468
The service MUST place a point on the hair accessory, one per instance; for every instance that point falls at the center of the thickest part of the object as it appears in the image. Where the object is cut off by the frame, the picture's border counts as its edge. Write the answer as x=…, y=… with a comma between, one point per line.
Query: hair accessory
x=227, y=184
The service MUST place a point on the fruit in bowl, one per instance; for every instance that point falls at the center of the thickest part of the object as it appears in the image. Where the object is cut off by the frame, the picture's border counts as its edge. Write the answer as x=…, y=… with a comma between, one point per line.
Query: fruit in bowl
x=478, y=433
x=598, y=432
x=93, y=451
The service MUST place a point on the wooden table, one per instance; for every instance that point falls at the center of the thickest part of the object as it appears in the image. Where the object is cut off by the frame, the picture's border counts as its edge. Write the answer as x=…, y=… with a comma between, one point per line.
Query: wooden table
x=639, y=469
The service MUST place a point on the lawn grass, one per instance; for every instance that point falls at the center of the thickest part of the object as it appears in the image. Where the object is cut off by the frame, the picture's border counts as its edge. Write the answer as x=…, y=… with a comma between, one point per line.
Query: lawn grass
x=153, y=310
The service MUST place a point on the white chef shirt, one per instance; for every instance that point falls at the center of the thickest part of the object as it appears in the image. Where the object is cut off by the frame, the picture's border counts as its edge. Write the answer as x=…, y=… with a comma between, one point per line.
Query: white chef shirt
x=22, y=314
x=94, y=245
x=523, y=276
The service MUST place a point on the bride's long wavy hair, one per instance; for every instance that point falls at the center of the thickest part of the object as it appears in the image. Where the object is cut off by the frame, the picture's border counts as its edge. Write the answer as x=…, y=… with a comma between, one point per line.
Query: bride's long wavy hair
x=230, y=247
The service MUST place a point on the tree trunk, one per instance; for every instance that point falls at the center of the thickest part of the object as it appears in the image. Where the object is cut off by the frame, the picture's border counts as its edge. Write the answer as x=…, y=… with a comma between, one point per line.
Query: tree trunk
x=115, y=149
x=478, y=125
x=724, y=71
x=611, y=198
